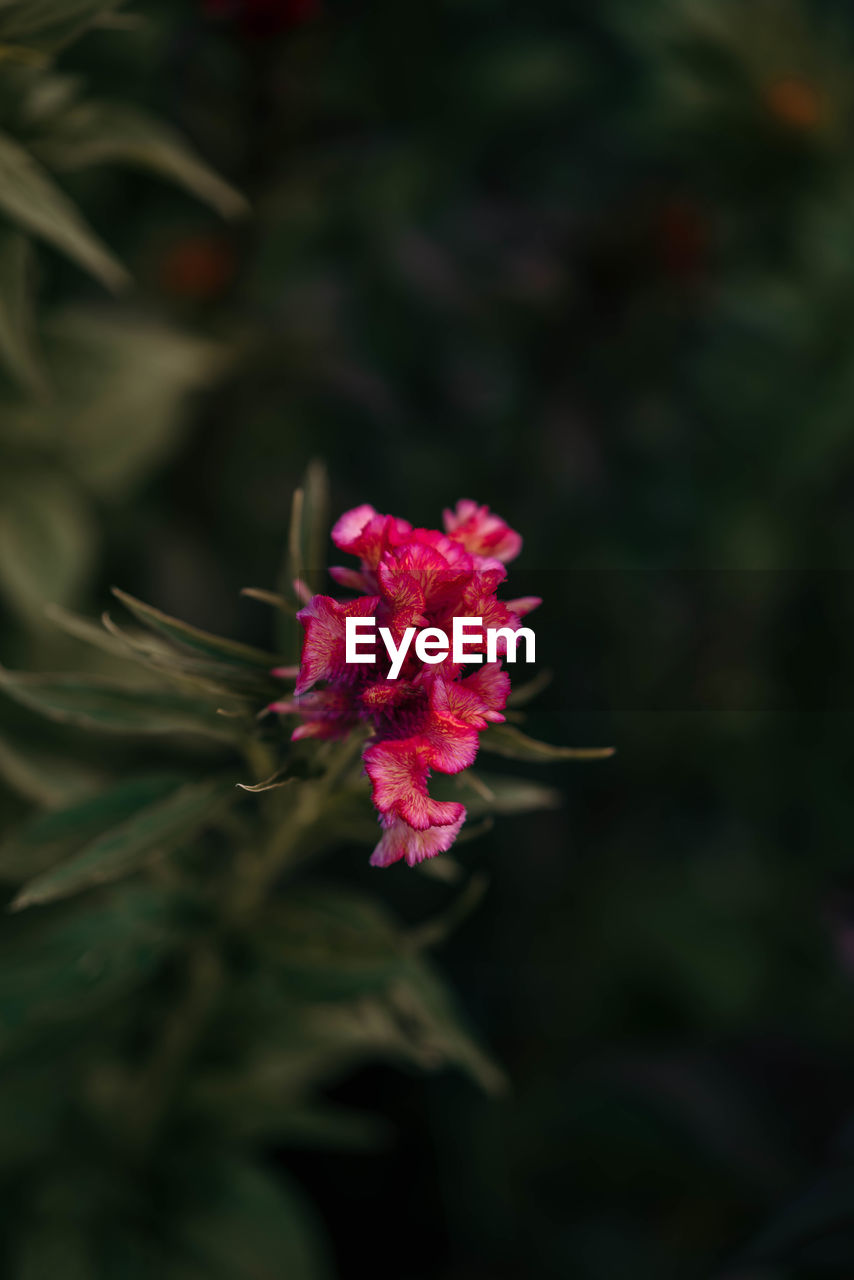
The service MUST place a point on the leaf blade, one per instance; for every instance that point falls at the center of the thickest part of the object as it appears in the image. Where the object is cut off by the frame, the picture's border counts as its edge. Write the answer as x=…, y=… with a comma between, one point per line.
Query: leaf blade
x=37, y=842
x=111, y=707
x=94, y=133
x=18, y=348
x=156, y=828
x=507, y=740
x=29, y=196
x=194, y=637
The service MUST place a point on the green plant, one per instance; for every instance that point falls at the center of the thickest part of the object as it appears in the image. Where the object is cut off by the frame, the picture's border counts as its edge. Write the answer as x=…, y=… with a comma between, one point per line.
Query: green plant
x=89, y=400
x=179, y=984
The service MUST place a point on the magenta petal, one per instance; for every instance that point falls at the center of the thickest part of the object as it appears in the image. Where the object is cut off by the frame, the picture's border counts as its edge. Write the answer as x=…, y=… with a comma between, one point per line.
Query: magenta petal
x=402, y=841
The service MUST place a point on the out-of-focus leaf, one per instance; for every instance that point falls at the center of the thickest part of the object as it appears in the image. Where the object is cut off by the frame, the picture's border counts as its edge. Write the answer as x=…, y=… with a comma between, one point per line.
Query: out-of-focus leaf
x=251, y=1226
x=47, y=540
x=522, y=694
x=39, y=841
x=435, y=931
x=339, y=983
x=156, y=829
x=29, y=196
x=45, y=778
x=257, y=1103
x=320, y=1126
x=93, y=133
x=230, y=651
x=139, y=653
x=120, y=387
x=45, y=95
x=238, y=690
x=330, y=944
x=428, y=1008
x=271, y=598
x=33, y=1096
x=474, y=830
x=18, y=349
x=309, y=530
x=65, y=964
x=821, y=1214
x=55, y=1249
x=47, y=24
x=485, y=793
x=507, y=740
x=112, y=707
x=88, y=630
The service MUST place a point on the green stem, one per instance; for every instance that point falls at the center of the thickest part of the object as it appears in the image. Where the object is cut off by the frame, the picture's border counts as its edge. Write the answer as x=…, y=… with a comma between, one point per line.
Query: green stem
x=243, y=895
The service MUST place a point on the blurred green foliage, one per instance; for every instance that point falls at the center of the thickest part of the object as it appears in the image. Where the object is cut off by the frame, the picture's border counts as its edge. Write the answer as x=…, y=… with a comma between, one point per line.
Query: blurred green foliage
x=592, y=265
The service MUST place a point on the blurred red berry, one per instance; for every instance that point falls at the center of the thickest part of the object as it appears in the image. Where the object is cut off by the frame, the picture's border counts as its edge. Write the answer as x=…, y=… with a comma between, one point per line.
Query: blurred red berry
x=199, y=267
x=681, y=235
x=795, y=103
x=265, y=17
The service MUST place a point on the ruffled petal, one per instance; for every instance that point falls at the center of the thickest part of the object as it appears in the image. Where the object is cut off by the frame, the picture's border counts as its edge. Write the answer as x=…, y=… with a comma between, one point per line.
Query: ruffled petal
x=366, y=534
x=398, y=770
x=490, y=685
x=481, y=532
x=399, y=840
x=523, y=604
x=324, y=642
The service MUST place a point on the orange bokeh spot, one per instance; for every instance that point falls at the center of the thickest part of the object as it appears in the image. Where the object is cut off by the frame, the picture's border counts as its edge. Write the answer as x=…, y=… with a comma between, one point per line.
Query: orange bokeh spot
x=795, y=103
x=200, y=267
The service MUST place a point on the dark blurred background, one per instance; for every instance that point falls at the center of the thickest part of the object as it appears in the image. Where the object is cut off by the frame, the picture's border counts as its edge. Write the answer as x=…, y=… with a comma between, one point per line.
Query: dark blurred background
x=594, y=266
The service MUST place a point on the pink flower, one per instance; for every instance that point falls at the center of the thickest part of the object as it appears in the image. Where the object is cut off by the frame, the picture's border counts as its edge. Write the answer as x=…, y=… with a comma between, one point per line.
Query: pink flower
x=481, y=532
x=429, y=718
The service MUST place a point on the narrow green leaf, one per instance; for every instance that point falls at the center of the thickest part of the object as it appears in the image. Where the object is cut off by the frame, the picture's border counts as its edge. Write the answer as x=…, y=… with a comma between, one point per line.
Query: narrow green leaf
x=271, y=598
x=87, y=630
x=237, y=690
x=281, y=778
x=47, y=24
x=507, y=740
x=144, y=652
x=31, y=199
x=309, y=531
x=315, y=523
x=18, y=348
x=44, y=838
x=522, y=694
x=194, y=638
x=111, y=707
x=484, y=793
x=156, y=829
x=92, y=133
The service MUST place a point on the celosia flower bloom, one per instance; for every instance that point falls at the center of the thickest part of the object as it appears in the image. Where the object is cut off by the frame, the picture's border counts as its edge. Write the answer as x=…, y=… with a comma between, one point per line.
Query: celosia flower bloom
x=430, y=717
